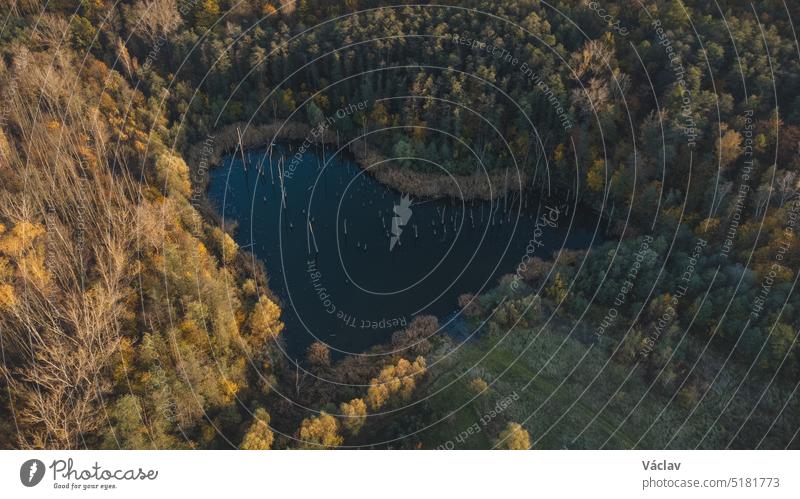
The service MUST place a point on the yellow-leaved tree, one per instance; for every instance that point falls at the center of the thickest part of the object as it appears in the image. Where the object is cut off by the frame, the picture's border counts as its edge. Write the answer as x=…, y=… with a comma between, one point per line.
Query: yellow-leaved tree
x=395, y=381
x=173, y=174
x=226, y=246
x=354, y=414
x=259, y=436
x=514, y=437
x=265, y=320
x=319, y=432
x=21, y=259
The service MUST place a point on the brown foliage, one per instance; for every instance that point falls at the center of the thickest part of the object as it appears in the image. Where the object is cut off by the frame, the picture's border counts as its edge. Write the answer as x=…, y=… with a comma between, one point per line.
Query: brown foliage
x=415, y=337
x=470, y=305
x=319, y=354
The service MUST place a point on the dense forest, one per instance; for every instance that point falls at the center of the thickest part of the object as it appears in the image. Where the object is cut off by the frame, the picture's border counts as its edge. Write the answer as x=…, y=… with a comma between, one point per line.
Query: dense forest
x=130, y=317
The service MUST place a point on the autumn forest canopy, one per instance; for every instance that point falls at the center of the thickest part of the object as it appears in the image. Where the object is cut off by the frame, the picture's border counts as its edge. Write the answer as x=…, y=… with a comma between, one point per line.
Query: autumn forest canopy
x=634, y=165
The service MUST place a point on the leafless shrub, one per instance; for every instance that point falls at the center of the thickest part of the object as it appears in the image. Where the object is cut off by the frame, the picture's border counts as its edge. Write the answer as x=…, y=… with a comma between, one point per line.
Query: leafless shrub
x=70, y=278
x=152, y=19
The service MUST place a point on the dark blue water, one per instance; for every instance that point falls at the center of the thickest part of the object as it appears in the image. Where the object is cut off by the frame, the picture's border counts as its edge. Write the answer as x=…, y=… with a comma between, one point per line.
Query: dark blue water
x=329, y=253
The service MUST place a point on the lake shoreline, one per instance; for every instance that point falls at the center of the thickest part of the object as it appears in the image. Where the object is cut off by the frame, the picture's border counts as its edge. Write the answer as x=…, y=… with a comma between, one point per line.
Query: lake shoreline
x=404, y=180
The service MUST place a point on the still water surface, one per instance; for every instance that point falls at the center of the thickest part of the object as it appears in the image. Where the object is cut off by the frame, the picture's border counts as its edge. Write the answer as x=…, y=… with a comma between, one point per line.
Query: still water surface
x=353, y=261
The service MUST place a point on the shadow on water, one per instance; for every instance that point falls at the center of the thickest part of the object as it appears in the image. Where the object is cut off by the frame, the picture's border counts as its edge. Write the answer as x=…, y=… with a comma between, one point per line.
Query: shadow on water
x=353, y=261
